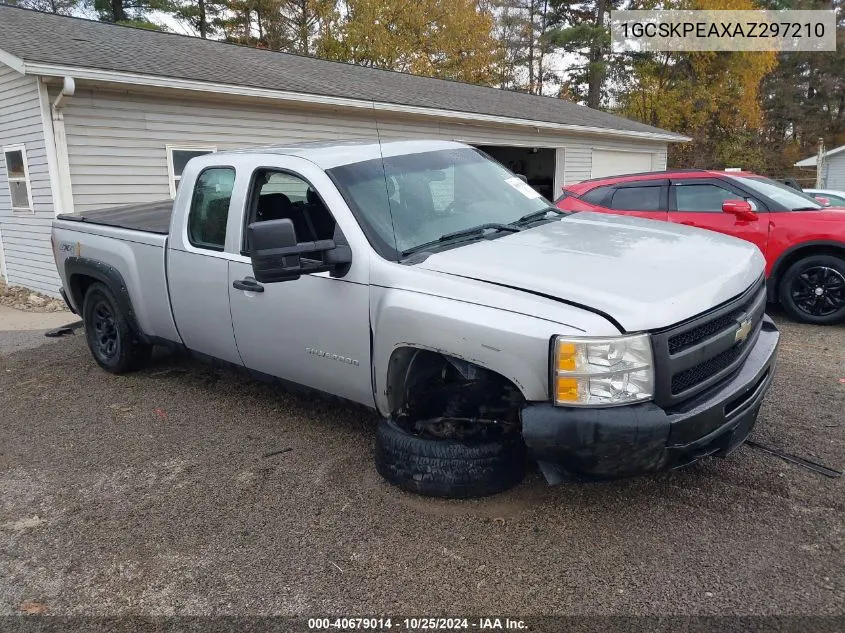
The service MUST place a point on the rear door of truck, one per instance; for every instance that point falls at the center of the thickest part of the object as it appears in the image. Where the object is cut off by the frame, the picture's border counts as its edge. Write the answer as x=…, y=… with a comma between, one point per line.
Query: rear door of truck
x=197, y=261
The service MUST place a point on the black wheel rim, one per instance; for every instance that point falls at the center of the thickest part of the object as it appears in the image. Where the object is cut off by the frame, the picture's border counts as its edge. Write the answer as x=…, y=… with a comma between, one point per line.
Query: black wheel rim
x=105, y=336
x=819, y=291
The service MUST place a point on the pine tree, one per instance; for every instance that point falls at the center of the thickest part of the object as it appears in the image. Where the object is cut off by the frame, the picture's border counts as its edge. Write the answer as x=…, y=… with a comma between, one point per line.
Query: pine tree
x=132, y=12
x=804, y=98
x=581, y=32
x=204, y=17
x=525, y=49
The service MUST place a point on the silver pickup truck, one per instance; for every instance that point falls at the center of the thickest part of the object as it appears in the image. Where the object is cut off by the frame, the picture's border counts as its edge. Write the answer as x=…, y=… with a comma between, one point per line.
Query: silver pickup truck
x=426, y=281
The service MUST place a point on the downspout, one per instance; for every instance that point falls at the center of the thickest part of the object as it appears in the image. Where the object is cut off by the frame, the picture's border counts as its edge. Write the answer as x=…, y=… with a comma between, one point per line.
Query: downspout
x=60, y=138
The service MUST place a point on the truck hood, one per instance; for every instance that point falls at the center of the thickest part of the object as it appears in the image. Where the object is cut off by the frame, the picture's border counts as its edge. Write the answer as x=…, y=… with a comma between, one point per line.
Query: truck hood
x=642, y=274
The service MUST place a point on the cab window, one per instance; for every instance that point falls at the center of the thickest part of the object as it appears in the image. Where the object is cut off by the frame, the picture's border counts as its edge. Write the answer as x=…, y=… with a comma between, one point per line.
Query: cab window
x=278, y=195
x=210, y=208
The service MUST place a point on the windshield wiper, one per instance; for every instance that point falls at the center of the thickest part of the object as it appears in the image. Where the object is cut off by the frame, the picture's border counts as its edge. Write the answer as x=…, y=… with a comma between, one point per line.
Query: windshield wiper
x=528, y=218
x=808, y=209
x=479, y=229
x=472, y=231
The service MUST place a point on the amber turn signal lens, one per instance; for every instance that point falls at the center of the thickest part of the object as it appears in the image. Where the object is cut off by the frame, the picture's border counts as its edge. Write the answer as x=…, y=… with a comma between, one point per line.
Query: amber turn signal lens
x=566, y=357
x=566, y=389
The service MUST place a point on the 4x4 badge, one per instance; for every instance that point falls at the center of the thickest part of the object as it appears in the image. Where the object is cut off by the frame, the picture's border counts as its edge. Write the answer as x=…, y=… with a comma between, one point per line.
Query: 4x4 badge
x=743, y=331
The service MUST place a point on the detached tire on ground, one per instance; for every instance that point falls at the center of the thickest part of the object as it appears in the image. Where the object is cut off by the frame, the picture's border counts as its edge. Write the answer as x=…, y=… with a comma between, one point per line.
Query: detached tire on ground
x=813, y=290
x=448, y=468
x=113, y=344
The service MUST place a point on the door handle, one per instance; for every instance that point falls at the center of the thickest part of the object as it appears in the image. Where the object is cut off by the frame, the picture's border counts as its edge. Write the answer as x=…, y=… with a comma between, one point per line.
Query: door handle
x=249, y=284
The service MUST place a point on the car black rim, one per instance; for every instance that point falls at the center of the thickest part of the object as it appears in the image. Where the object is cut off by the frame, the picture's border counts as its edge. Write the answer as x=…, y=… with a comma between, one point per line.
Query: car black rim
x=819, y=291
x=105, y=330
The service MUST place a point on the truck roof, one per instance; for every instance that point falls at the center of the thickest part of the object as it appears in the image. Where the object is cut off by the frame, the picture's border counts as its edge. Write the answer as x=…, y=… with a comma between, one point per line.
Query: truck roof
x=329, y=154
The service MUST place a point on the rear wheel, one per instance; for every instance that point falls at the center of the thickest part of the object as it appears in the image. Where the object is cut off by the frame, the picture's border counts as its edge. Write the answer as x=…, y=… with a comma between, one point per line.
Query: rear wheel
x=813, y=290
x=111, y=340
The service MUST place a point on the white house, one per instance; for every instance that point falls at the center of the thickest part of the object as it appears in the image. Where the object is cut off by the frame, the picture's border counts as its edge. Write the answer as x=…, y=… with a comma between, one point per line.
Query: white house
x=833, y=166
x=94, y=115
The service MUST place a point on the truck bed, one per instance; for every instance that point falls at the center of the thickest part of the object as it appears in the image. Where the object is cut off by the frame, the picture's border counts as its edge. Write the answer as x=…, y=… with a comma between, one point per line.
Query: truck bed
x=150, y=217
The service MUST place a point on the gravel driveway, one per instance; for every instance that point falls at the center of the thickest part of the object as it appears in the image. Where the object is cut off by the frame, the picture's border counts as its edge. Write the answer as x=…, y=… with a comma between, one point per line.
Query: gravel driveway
x=188, y=490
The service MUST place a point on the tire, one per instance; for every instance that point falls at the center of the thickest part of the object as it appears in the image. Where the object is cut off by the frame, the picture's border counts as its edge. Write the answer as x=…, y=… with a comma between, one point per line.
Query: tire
x=448, y=468
x=111, y=340
x=813, y=290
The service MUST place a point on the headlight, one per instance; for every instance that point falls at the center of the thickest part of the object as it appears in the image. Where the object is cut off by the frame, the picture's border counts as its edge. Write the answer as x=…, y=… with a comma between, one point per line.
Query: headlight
x=596, y=372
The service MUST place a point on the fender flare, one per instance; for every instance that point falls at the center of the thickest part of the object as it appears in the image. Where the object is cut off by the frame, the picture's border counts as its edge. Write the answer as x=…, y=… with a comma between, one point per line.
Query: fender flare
x=779, y=267
x=109, y=275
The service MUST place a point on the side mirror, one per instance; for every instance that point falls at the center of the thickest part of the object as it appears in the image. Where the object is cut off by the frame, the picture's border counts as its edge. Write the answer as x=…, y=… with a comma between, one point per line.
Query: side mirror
x=273, y=251
x=825, y=202
x=277, y=256
x=740, y=208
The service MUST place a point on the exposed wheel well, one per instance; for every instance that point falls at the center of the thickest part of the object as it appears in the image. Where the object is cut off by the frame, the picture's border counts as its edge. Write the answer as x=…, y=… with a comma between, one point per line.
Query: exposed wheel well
x=78, y=286
x=787, y=260
x=428, y=384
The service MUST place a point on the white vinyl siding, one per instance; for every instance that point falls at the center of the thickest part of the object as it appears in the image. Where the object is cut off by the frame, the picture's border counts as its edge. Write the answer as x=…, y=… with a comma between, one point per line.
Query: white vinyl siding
x=835, y=172
x=117, y=141
x=27, y=254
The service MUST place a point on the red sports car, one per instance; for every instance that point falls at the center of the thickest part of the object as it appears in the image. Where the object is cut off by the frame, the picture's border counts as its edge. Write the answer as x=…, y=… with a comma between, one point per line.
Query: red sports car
x=803, y=242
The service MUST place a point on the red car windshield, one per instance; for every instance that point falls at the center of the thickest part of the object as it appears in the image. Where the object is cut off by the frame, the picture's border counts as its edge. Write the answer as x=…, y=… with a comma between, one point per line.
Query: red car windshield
x=785, y=195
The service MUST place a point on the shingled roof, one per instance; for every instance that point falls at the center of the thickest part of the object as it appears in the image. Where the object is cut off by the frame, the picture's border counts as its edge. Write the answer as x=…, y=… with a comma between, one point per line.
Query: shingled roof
x=45, y=39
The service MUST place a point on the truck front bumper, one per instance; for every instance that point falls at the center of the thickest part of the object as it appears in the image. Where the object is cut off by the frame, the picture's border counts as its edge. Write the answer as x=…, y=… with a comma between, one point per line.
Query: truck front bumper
x=616, y=442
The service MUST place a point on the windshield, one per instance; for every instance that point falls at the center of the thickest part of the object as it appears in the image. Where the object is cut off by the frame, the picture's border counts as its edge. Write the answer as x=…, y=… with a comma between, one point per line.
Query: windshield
x=406, y=201
x=785, y=195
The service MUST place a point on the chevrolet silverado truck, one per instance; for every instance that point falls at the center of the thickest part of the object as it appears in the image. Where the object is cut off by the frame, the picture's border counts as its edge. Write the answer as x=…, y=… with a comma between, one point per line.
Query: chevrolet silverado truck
x=426, y=281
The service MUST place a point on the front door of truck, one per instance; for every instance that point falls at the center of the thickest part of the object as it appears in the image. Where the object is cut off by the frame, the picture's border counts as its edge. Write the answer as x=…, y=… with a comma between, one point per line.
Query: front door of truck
x=314, y=330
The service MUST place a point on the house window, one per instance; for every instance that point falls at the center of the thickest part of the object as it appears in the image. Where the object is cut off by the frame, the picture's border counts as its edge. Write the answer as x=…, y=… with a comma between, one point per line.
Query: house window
x=177, y=158
x=17, y=173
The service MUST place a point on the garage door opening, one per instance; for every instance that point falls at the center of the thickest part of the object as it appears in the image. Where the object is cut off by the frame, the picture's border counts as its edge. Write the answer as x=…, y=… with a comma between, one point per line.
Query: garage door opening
x=537, y=164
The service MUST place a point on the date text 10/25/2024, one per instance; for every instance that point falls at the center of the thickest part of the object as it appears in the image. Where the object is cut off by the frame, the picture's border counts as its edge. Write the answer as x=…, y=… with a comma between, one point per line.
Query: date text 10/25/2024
x=417, y=624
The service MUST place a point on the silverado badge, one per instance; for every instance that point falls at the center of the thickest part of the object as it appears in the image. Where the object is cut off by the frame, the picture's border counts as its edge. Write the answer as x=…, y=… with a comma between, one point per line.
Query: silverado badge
x=743, y=331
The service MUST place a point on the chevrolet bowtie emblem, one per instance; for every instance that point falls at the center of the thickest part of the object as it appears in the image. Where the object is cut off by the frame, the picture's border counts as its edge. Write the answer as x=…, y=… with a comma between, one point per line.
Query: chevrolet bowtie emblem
x=743, y=331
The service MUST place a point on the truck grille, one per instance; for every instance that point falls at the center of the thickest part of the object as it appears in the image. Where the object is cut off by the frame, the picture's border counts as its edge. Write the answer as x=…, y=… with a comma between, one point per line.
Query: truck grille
x=695, y=355
x=693, y=376
x=685, y=340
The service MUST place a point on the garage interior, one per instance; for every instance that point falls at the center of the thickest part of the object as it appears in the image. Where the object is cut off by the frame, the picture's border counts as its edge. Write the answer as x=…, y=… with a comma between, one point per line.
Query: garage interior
x=537, y=164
